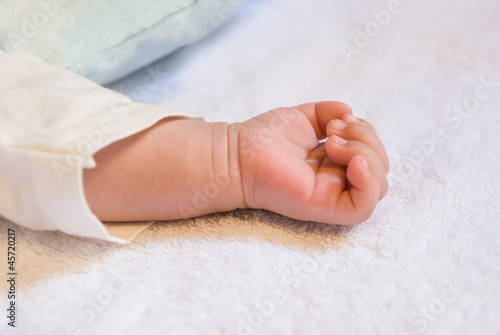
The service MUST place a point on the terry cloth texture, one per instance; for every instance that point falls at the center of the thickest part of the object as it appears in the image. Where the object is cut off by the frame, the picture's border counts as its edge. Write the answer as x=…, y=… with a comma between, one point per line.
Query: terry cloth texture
x=427, y=262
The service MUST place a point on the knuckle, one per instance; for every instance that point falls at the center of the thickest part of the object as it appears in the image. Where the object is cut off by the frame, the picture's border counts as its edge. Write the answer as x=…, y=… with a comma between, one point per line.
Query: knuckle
x=362, y=131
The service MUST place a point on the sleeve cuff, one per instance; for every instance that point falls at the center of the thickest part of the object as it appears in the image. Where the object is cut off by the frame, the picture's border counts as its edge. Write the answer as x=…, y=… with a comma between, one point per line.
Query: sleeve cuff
x=52, y=122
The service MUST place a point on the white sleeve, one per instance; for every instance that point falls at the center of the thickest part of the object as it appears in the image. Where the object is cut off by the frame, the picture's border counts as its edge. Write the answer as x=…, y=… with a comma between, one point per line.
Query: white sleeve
x=52, y=122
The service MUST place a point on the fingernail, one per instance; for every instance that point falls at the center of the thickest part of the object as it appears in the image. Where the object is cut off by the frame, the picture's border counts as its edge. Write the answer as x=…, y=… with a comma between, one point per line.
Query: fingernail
x=339, y=124
x=351, y=118
x=338, y=140
x=363, y=163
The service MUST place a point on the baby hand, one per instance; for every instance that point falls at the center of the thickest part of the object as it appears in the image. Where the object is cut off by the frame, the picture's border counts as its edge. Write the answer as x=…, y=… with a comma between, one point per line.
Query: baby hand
x=286, y=167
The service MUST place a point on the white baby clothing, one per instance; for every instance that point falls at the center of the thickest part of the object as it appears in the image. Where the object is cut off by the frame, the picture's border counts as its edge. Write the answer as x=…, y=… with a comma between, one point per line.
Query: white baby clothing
x=52, y=122
x=52, y=119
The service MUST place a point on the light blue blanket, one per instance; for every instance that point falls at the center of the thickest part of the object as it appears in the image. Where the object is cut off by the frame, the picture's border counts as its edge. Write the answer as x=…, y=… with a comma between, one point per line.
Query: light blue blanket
x=106, y=39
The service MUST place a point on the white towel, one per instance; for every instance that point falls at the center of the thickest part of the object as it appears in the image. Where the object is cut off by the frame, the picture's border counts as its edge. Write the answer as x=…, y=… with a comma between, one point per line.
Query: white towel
x=427, y=262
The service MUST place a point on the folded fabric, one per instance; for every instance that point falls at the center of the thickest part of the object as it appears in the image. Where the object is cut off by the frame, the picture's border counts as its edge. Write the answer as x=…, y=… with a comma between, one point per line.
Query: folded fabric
x=104, y=40
x=52, y=122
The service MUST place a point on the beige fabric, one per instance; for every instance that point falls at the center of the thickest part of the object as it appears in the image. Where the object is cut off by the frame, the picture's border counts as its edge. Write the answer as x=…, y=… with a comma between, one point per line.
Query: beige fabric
x=127, y=230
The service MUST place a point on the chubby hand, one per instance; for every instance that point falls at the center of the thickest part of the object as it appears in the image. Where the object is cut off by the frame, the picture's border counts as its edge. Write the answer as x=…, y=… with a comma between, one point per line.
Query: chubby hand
x=278, y=161
x=287, y=166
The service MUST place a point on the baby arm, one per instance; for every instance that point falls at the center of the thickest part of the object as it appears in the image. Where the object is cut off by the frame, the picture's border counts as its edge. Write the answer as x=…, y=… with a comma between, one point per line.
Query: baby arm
x=275, y=161
x=163, y=172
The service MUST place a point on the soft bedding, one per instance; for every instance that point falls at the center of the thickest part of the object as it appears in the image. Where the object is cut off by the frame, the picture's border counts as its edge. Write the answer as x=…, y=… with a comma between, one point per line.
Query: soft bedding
x=425, y=73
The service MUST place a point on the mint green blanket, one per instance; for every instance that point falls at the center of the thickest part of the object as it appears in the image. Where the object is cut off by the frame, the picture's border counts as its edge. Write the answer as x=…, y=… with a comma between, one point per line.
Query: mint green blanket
x=106, y=39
